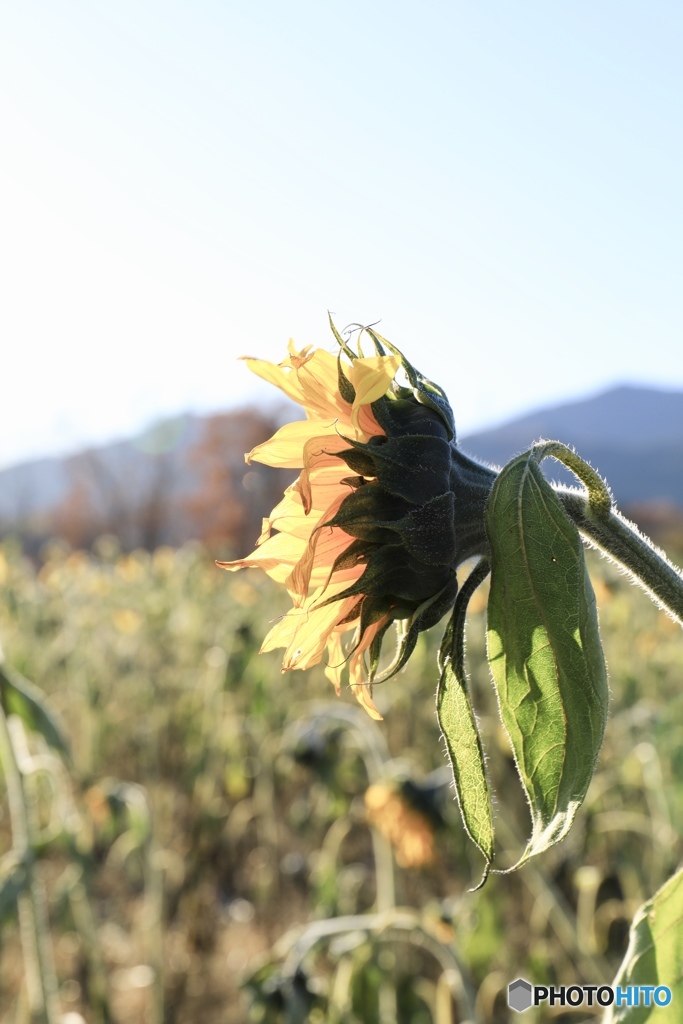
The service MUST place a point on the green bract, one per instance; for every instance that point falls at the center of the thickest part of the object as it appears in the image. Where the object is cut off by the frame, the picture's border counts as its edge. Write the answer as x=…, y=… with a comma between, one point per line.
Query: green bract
x=415, y=510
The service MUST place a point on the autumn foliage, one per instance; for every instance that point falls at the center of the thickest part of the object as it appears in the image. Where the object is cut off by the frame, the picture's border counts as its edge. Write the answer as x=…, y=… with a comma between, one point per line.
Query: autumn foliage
x=195, y=486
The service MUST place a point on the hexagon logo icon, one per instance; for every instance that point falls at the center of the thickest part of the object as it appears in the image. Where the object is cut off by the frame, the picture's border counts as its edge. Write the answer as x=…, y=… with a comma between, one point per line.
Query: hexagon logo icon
x=519, y=995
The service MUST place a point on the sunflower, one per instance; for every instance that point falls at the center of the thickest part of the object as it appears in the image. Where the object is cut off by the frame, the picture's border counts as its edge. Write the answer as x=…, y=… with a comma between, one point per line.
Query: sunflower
x=408, y=831
x=384, y=510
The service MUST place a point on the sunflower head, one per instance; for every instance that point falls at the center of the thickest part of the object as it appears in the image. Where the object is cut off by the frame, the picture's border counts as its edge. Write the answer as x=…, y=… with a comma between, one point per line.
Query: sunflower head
x=409, y=832
x=384, y=510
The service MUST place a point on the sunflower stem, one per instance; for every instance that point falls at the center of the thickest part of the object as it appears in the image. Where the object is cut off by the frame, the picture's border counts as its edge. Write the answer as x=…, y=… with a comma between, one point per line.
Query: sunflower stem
x=471, y=482
x=623, y=543
x=601, y=524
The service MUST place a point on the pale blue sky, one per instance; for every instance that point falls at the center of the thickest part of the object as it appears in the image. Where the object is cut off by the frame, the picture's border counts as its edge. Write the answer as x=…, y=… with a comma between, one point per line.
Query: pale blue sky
x=182, y=183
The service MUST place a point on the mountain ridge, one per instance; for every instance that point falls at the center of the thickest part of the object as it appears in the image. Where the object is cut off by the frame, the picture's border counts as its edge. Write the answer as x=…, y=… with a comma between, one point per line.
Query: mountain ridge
x=632, y=435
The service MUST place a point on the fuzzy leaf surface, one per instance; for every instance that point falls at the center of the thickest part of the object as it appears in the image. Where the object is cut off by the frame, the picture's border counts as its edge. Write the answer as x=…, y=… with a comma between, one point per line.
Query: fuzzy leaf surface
x=544, y=648
x=459, y=728
x=654, y=956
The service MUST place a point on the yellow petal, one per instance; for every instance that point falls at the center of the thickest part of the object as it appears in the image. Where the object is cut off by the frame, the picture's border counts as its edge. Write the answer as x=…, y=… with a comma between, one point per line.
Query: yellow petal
x=277, y=556
x=325, y=554
x=281, y=376
x=362, y=694
x=314, y=497
x=366, y=425
x=319, y=382
x=320, y=453
x=362, y=691
x=313, y=626
x=297, y=358
x=336, y=662
x=371, y=378
x=325, y=484
x=265, y=532
x=289, y=516
x=281, y=633
x=325, y=545
x=286, y=447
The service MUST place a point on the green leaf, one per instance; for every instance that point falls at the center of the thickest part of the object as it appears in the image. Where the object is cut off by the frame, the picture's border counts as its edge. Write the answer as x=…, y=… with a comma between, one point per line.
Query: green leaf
x=654, y=956
x=544, y=647
x=22, y=698
x=459, y=727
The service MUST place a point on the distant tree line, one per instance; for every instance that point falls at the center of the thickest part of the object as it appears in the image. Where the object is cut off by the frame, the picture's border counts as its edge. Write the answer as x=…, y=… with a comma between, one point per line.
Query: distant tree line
x=203, y=490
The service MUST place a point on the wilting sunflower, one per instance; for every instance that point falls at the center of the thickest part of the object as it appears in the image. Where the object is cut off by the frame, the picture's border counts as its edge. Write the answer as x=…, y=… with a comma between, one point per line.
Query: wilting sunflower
x=408, y=831
x=384, y=510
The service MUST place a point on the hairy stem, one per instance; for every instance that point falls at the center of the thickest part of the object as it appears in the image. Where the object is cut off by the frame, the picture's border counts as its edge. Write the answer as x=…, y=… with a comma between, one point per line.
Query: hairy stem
x=623, y=542
x=592, y=511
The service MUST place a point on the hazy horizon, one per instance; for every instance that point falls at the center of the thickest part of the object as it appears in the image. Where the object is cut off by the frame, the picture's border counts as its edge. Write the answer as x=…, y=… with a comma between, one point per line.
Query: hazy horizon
x=279, y=406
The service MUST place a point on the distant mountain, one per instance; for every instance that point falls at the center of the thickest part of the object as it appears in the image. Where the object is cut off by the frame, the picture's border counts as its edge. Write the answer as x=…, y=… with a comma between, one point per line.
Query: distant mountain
x=632, y=435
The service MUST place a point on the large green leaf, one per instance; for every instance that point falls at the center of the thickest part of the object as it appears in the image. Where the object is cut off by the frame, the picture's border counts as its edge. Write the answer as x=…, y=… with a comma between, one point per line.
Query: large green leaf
x=544, y=647
x=459, y=726
x=654, y=956
x=22, y=698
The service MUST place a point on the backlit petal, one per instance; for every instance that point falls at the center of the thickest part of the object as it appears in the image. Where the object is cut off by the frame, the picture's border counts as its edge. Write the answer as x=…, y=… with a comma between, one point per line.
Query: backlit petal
x=318, y=379
x=277, y=556
x=313, y=625
x=366, y=425
x=315, y=565
x=336, y=661
x=319, y=453
x=285, y=448
x=282, y=377
x=297, y=357
x=371, y=378
x=361, y=690
x=335, y=541
x=289, y=516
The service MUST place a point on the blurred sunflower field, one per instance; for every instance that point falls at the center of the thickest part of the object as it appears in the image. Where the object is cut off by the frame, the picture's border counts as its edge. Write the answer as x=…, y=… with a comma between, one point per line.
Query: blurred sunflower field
x=215, y=841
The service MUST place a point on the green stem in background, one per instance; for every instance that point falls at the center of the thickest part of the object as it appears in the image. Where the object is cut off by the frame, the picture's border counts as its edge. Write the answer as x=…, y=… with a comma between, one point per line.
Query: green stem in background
x=400, y=924
x=84, y=919
x=375, y=755
x=41, y=983
x=154, y=896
